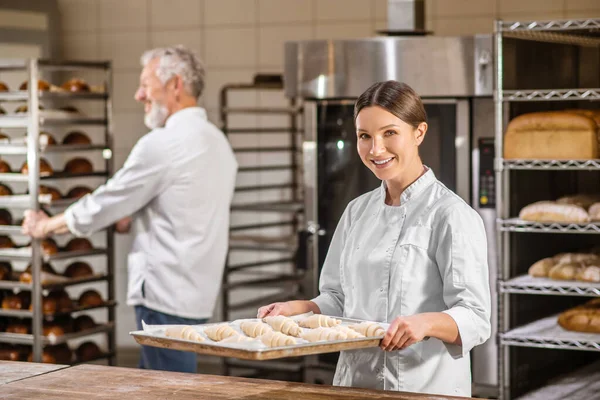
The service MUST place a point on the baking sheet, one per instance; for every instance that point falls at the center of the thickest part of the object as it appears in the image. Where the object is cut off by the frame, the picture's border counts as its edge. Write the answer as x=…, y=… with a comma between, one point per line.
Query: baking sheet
x=154, y=335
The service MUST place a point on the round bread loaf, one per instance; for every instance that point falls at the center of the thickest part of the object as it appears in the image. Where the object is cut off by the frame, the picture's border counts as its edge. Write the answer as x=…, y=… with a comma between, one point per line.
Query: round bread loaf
x=90, y=298
x=88, y=351
x=79, y=270
x=5, y=271
x=4, y=87
x=42, y=85
x=49, y=246
x=9, y=353
x=2, y=111
x=24, y=109
x=70, y=109
x=46, y=139
x=5, y=190
x=5, y=217
x=78, y=192
x=58, y=354
x=79, y=244
x=5, y=167
x=76, y=85
x=83, y=322
x=18, y=327
x=6, y=242
x=19, y=301
x=4, y=137
x=77, y=137
x=79, y=165
x=45, y=168
x=53, y=192
x=27, y=277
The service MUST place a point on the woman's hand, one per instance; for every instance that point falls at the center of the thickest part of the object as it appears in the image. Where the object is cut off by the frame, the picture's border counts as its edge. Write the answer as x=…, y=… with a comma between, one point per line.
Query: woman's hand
x=404, y=332
x=288, y=308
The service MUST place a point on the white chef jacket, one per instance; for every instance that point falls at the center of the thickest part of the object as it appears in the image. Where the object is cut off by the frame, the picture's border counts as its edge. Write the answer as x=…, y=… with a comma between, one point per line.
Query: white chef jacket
x=178, y=184
x=427, y=255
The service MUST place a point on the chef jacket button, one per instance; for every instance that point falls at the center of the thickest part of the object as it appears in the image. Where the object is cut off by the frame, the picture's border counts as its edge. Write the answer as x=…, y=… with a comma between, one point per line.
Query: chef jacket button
x=381, y=290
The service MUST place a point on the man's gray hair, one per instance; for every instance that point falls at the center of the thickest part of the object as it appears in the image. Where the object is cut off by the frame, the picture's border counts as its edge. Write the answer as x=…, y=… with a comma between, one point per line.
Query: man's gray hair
x=178, y=60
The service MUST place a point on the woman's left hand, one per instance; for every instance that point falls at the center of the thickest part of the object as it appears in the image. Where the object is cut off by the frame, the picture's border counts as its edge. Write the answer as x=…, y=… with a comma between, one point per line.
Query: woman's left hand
x=404, y=332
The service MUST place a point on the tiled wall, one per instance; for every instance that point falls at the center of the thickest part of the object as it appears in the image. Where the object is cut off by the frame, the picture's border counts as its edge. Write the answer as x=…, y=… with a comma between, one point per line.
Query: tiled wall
x=237, y=39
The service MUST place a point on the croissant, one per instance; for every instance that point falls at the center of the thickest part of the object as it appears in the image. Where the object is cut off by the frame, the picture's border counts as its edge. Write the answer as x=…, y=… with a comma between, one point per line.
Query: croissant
x=219, y=332
x=255, y=328
x=236, y=339
x=369, y=329
x=283, y=324
x=318, y=334
x=352, y=334
x=319, y=320
x=186, y=332
x=277, y=339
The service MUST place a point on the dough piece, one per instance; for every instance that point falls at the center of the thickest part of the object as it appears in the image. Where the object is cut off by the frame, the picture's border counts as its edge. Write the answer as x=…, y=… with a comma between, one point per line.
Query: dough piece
x=591, y=273
x=321, y=334
x=350, y=333
x=284, y=325
x=236, y=339
x=548, y=211
x=594, y=212
x=541, y=268
x=277, y=339
x=219, y=332
x=255, y=328
x=319, y=320
x=566, y=272
x=186, y=332
x=581, y=200
x=369, y=329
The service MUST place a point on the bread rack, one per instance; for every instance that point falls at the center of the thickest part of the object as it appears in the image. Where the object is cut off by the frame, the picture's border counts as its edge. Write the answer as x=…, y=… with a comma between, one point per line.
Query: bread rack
x=524, y=322
x=32, y=123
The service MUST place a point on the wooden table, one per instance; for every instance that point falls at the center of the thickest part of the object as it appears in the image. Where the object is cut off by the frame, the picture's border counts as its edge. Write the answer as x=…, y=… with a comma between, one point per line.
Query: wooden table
x=15, y=371
x=92, y=382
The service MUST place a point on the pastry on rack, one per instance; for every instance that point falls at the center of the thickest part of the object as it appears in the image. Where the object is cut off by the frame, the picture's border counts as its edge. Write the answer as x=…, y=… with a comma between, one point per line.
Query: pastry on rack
x=88, y=351
x=83, y=323
x=4, y=87
x=10, y=353
x=5, y=167
x=79, y=269
x=255, y=328
x=43, y=86
x=219, y=332
x=19, y=301
x=549, y=211
x=19, y=327
x=90, y=298
x=57, y=301
x=584, y=318
x=78, y=192
x=58, y=326
x=79, y=165
x=6, y=242
x=49, y=246
x=76, y=85
x=2, y=111
x=321, y=334
x=5, y=190
x=77, y=137
x=284, y=325
x=368, y=329
x=27, y=277
x=46, y=139
x=57, y=354
x=5, y=217
x=319, y=320
x=52, y=191
x=277, y=339
x=45, y=168
x=79, y=244
x=184, y=332
x=5, y=271
x=3, y=137
x=24, y=109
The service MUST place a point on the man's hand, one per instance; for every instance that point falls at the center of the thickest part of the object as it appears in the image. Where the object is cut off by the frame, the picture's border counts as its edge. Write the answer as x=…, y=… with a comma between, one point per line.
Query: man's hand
x=404, y=332
x=123, y=225
x=35, y=224
x=275, y=309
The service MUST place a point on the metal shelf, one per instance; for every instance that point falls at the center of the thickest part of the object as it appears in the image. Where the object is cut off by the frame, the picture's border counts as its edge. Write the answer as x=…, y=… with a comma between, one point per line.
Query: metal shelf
x=543, y=165
x=16, y=338
x=518, y=225
x=24, y=254
x=24, y=95
x=547, y=334
x=250, y=110
x=526, y=284
x=10, y=230
x=22, y=121
x=21, y=149
x=551, y=25
x=49, y=317
x=18, y=177
x=19, y=200
x=551, y=94
x=64, y=282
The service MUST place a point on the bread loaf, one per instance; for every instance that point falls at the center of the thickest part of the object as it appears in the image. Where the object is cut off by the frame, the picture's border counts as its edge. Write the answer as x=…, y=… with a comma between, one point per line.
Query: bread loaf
x=585, y=258
x=283, y=324
x=590, y=273
x=584, y=318
x=542, y=267
x=277, y=339
x=219, y=332
x=186, y=333
x=87, y=351
x=5, y=167
x=5, y=190
x=321, y=334
x=255, y=328
x=594, y=212
x=555, y=135
x=318, y=320
x=90, y=298
x=565, y=272
x=582, y=200
x=79, y=244
x=369, y=329
x=548, y=211
x=5, y=271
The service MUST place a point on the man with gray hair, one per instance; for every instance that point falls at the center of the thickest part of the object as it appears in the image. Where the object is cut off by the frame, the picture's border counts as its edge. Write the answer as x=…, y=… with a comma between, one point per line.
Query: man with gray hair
x=177, y=185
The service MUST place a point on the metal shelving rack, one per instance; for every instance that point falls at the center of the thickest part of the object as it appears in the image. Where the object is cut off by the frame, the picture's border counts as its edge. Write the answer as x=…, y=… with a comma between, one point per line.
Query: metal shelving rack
x=544, y=333
x=32, y=122
x=252, y=237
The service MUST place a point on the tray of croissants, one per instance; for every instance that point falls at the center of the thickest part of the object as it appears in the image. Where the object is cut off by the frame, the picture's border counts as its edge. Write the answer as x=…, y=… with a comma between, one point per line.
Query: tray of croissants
x=267, y=338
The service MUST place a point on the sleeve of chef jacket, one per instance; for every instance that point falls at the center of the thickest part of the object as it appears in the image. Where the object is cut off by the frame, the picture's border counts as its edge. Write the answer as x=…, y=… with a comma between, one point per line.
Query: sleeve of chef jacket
x=130, y=189
x=331, y=297
x=462, y=260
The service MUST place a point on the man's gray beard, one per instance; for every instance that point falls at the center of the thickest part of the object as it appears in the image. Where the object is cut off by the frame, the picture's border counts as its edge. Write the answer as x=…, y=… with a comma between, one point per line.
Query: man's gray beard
x=157, y=116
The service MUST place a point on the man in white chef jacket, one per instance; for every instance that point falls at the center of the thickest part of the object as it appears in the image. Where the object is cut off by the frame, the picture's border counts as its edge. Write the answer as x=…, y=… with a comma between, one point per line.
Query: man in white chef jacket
x=176, y=185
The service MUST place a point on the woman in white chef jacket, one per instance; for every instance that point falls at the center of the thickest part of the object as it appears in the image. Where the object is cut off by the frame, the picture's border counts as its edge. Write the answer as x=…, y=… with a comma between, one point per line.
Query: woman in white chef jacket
x=410, y=253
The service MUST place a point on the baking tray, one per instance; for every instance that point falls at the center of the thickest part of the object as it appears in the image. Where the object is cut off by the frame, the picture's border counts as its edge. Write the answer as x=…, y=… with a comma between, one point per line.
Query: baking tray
x=153, y=335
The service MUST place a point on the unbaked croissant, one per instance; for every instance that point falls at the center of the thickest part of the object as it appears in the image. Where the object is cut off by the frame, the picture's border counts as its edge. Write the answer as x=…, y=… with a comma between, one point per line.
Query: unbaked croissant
x=219, y=332
x=277, y=339
x=236, y=339
x=351, y=333
x=283, y=324
x=255, y=328
x=318, y=334
x=319, y=320
x=186, y=332
x=369, y=329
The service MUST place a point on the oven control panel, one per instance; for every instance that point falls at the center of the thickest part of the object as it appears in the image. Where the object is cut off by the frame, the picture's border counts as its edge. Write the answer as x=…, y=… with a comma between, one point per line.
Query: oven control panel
x=487, y=178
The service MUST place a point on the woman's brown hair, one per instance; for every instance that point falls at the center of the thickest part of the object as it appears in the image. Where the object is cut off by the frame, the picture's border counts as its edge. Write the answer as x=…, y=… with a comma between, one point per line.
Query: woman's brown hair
x=395, y=97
